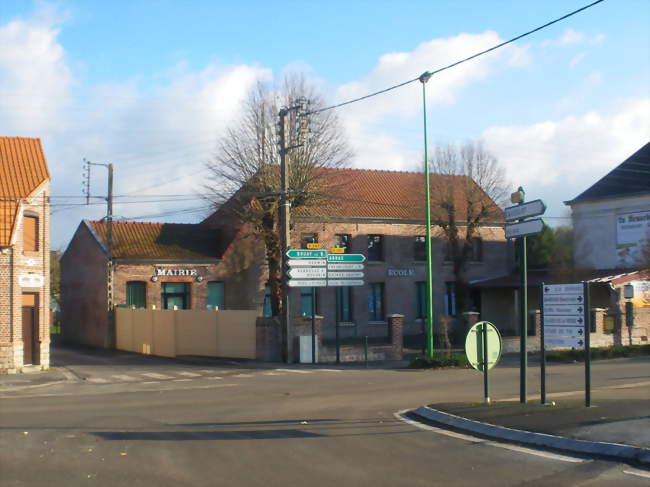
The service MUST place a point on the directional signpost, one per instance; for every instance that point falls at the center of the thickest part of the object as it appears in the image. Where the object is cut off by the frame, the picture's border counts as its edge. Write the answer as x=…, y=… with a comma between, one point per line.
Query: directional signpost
x=520, y=230
x=565, y=324
x=345, y=269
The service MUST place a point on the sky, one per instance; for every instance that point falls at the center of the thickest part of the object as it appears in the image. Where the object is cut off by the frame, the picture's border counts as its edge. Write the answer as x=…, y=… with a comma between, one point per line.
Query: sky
x=149, y=86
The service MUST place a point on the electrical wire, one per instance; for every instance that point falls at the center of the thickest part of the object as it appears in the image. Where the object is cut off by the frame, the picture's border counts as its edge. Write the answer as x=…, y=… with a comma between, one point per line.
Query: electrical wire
x=449, y=66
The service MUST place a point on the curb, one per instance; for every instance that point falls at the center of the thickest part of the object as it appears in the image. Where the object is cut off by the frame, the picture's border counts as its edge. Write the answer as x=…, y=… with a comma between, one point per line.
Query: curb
x=602, y=449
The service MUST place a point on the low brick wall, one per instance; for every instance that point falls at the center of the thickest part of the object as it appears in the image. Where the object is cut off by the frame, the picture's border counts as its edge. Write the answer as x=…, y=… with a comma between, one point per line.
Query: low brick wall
x=355, y=353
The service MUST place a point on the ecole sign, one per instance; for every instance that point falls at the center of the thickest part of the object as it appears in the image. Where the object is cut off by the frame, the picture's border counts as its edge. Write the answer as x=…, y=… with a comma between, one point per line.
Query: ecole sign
x=176, y=272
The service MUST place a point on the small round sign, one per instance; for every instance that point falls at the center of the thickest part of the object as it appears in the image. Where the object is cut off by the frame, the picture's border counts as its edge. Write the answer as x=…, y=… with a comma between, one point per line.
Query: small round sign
x=474, y=345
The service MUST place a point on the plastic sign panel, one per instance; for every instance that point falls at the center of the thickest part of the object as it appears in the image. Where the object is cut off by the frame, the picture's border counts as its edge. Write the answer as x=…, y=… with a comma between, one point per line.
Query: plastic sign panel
x=306, y=254
x=307, y=262
x=344, y=275
x=474, y=345
x=346, y=258
x=525, y=210
x=308, y=272
x=565, y=342
x=521, y=229
x=344, y=267
x=307, y=283
x=345, y=282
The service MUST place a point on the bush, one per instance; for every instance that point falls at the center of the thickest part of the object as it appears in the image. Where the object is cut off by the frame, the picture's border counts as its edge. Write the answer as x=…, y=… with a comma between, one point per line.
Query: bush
x=439, y=361
x=598, y=353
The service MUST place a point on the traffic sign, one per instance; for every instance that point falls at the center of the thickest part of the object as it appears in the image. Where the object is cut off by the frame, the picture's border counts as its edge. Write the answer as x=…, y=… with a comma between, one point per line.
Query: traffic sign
x=563, y=309
x=306, y=254
x=313, y=245
x=564, y=331
x=308, y=272
x=332, y=266
x=565, y=299
x=345, y=282
x=338, y=250
x=525, y=210
x=521, y=229
x=550, y=289
x=474, y=345
x=307, y=283
x=343, y=275
x=565, y=342
x=307, y=262
x=576, y=320
x=346, y=258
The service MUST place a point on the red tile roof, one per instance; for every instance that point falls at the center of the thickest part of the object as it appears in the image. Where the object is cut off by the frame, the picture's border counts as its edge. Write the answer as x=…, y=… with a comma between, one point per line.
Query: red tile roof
x=165, y=241
x=362, y=193
x=22, y=170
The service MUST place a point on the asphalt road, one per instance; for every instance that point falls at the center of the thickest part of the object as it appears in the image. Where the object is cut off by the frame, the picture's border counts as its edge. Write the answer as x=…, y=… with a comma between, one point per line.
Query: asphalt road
x=236, y=424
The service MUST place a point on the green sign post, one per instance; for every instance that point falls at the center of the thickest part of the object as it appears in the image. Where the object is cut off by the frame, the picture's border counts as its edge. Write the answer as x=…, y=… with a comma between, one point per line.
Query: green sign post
x=483, y=350
x=346, y=258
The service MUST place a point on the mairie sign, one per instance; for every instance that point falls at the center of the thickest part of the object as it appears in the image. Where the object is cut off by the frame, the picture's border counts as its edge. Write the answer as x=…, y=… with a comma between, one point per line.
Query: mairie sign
x=346, y=258
x=306, y=254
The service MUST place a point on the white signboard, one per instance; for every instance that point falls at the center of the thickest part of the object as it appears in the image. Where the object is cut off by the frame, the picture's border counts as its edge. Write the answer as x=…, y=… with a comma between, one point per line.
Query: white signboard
x=632, y=231
x=563, y=309
x=551, y=289
x=641, y=294
x=576, y=320
x=307, y=262
x=31, y=280
x=565, y=342
x=307, y=283
x=525, y=210
x=344, y=267
x=345, y=282
x=528, y=227
x=566, y=299
x=566, y=331
x=308, y=272
x=344, y=275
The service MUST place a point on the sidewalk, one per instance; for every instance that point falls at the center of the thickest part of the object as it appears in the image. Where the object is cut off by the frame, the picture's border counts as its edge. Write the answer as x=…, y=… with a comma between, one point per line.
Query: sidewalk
x=31, y=380
x=617, y=425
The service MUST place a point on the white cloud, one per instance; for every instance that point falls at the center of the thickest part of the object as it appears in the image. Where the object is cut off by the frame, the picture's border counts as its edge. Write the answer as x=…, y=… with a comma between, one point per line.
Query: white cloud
x=568, y=37
x=577, y=59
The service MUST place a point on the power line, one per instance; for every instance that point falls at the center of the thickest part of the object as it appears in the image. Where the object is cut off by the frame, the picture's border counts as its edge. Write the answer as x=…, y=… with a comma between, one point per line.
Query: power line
x=449, y=66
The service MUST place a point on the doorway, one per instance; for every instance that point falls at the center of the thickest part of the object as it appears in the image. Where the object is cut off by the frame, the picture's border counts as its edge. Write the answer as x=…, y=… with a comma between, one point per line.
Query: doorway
x=30, y=328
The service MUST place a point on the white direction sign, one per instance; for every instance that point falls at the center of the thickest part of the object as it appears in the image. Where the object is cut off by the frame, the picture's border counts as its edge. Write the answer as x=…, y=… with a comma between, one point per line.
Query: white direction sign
x=566, y=299
x=563, y=309
x=307, y=262
x=344, y=267
x=307, y=282
x=576, y=320
x=525, y=210
x=551, y=289
x=308, y=272
x=566, y=331
x=345, y=282
x=521, y=229
x=344, y=275
x=565, y=342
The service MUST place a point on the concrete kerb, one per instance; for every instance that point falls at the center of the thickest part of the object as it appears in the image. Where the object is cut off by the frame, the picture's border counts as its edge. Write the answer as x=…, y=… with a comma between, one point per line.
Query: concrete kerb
x=614, y=451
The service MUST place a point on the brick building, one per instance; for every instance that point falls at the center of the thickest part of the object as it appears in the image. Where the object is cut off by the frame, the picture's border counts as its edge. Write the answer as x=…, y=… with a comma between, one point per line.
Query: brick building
x=24, y=255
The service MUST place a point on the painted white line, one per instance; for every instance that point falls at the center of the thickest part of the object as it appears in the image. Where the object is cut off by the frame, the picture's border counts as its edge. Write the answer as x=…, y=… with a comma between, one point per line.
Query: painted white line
x=638, y=473
x=189, y=374
x=295, y=371
x=206, y=371
x=242, y=375
x=181, y=380
x=330, y=370
x=96, y=380
x=152, y=382
x=153, y=375
x=272, y=373
x=214, y=378
x=473, y=439
x=125, y=378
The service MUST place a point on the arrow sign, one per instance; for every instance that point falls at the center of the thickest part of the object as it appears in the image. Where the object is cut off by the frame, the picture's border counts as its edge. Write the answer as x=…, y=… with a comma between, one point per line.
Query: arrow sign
x=559, y=309
x=345, y=282
x=566, y=299
x=525, y=210
x=565, y=342
x=344, y=267
x=346, y=258
x=344, y=275
x=563, y=321
x=560, y=331
x=308, y=272
x=528, y=227
x=307, y=283
x=307, y=262
x=551, y=289
x=306, y=254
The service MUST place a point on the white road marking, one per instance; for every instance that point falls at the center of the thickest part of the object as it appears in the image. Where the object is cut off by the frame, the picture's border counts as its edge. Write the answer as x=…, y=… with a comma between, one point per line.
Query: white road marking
x=125, y=378
x=152, y=382
x=214, y=378
x=189, y=374
x=181, y=380
x=243, y=375
x=272, y=373
x=330, y=370
x=97, y=380
x=153, y=375
x=638, y=473
x=552, y=456
x=295, y=371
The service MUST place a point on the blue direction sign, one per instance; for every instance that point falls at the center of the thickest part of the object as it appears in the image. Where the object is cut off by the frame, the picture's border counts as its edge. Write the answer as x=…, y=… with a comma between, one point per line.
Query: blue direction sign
x=346, y=258
x=306, y=254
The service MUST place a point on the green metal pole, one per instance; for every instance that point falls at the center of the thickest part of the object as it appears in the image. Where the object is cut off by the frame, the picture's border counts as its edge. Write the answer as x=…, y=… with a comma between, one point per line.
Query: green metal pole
x=365, y=350
x=523, y=335
x=423, y=79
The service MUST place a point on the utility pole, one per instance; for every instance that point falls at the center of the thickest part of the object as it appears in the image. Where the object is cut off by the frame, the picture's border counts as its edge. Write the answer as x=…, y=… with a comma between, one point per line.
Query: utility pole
x=285, y=237
x=109, y=244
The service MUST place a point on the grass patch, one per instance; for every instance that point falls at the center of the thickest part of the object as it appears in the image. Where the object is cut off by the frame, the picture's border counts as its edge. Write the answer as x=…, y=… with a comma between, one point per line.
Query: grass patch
x=598, y=353
x=439, y=361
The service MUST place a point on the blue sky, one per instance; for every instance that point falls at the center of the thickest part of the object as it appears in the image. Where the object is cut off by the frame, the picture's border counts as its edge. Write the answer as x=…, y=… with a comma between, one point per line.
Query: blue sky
x=149, y=85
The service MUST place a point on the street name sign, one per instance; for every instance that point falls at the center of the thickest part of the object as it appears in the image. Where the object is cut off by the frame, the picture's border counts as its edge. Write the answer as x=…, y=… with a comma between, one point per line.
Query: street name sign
x=332, y=266
x=566, y=299
x=308, y=272
x=564, y=331
x=562, y=309
x=550, y=289
x=307, y=282
x=565, y=342
x=307, y=262
x=346, y=258
x=306, y=254
x=525, y=210
x=344, y=274
x=575, y=320
x=345, y=282
x=521, y=229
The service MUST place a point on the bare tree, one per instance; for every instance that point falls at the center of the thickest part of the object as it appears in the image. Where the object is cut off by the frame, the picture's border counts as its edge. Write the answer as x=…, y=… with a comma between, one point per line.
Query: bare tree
x=466, y=193
x=245, y=169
